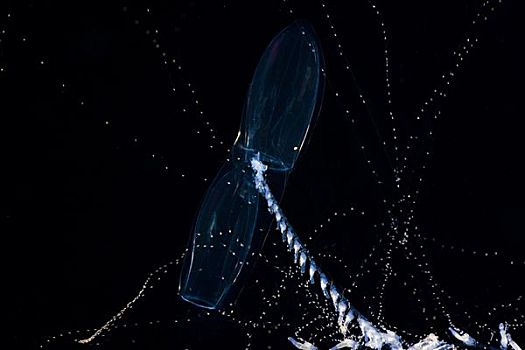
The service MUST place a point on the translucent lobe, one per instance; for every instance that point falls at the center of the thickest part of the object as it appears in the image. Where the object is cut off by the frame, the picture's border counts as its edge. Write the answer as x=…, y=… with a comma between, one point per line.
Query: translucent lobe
x=222, y=238
x=283, y=97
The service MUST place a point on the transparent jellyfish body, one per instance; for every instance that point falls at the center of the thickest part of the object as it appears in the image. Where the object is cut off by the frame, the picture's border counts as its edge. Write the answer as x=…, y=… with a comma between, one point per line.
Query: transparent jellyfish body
x=282, y=99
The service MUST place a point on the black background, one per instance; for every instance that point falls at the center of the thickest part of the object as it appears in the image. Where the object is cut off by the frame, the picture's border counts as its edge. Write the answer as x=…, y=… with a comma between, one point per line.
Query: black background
x=87, y=211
